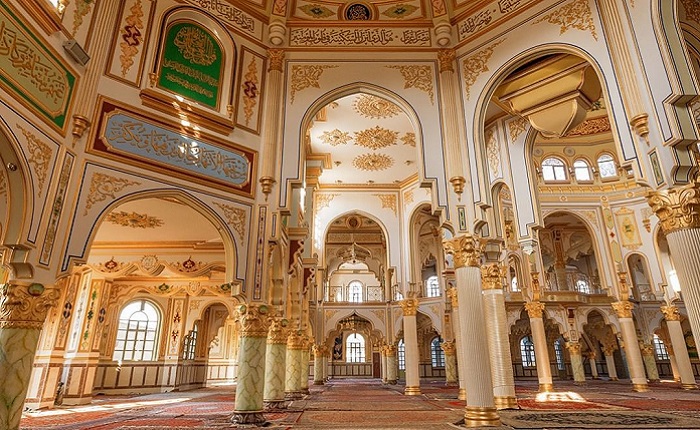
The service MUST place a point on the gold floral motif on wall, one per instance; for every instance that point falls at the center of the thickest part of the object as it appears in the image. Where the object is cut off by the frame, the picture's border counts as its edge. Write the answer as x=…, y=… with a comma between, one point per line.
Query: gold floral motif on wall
x=373, y=162
x=477, y=64
x=408, y=197
x=399, y=11
x=409, y=139
x=250, y=91
x=573, y=15
x=374, y=107
x=335, y=137
x=235, y=217
x=376, y=138
x=133, y=220
x=103, y=186
x=322, y=201
x=517, y=127
x=492, y=152
x=316, y=11
x=419, y=77
x=131, y=35
x=306, y=76
x=590, y=126
x=39, y=156
x=388, y=201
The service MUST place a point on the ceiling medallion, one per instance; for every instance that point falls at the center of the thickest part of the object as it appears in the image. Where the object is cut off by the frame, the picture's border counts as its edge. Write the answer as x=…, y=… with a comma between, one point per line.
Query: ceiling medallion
x=373, y=162
x=134, y=220
x=358, y=12
x=409, y=139
x=335, y=137
x=400, y=11
x=316, y=11
x=376, y=138
x=375, y=107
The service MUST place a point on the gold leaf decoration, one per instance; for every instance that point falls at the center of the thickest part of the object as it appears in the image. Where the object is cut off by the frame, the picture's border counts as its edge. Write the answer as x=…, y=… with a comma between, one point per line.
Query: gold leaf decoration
x=695, y=108
x=388, y=201
x=323, y=201
x=103, y=186
x=409, y=139
x=517, y=127
x=590, y=126
x=39, y=156
x=477, y=64
x=236, y=217
x=573, y=15
x=3, y=184
x=335, y=137
x=131, y=36
x=195, y=45
x=399, y=11
x=692, y=10
x=133, y=220
x=250, y=91
x=374, y=107
x=376, y=138
x=408, y=197
x=373, y=162
x=419, y=77
x=316, y=11
x=82, y=8
x=492, y=151
x=306, y=76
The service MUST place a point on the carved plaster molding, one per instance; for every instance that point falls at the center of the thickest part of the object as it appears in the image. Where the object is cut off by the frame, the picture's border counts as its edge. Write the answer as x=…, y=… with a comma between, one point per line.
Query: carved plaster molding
x=677, y=208
x=373, y=162
x=375, y=107
x=409, y=306
x=475, y=65
x=133, y=220
x=576, y=14
x=104, y=186
x=306, y=76
x=253, y=320
x=466, y=251
x=25, y=307
x=419, y=77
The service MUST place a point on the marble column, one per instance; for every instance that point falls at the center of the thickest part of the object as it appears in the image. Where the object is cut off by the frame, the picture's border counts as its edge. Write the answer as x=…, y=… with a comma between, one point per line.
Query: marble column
x=250, y=381
x=275, y=365
x=623, y=308
x=539, y=339
x=678, y=346
x=593, y=364
x=650, y=362
x=410, y=339
x=305, y=358
x=576, y=357
x=23, y=309
x=449, y=348
x=319, y=352
x=480, y=409
x=382, y=351
x=391, y=364
x=292, y=386
x=674, y=365
x=461, y=366
x=610, y=362
x=497, y=333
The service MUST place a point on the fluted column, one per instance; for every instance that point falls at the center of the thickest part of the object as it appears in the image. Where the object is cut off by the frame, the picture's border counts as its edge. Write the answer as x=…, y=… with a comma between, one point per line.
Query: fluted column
x=320, y=352
x=292, y=386
x=461, y=366
x=610, y=362
x=539, y=339
x=254, y=322
x=410, y=338
x=272, y=128
x=23, y=309
x=674, y=365
x=391, y=364
x=635, y=364
x=275, y=365
x=449, y=348
x=649, y=362
x=592, y=363
x=480, y=409
x=305, y=358
x=574, y=349
x=382, y=350
x=678, y=346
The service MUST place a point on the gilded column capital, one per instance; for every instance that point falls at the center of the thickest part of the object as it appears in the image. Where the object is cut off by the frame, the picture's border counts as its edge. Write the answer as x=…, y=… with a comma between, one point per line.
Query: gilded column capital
x=409, y=306
x=592, y=355
x=319, y=350
x=449, y=347
x=492, y=276
x=609, y=349
x=295, y=341
x=253, y=320
x=446, y=58
x=647, y=349
x=623, y=308
x=671, y=313
x=466, y=250
x=276, y=57
x=390, y=350
x=25, y=306
x=677, y=208
x=452, y=294
x=574, y=348
x=534, y=309
x=277, y=334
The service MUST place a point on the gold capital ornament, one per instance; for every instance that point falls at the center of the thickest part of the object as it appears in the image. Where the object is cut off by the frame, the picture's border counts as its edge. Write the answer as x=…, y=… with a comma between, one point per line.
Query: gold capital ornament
x=409, y=306
x=295, y=341
x=277, y=334
x=319, y=350
x=671, y=313
x=446, y=58
x=623, y=308
x=25, y=306
x=534, y=309
x=646, y=349
x=390, y=350
x=466, y=250
x=677, y=208
x=452, y=294
x=574, y=348
x=276, y=57
x=492, y=276
x=253, y=320
x=449, y=347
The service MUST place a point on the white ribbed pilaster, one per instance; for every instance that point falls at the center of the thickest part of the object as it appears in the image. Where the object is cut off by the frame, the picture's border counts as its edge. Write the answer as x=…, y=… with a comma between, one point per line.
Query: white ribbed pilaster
x=685, y=253
x=539, y=338
x=680, y=353
x=410, y=338
x=499, y=347
x=633, y=354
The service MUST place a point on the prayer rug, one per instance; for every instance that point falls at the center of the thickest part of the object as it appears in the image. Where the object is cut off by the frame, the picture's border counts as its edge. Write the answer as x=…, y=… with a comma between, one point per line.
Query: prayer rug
x=597, y=420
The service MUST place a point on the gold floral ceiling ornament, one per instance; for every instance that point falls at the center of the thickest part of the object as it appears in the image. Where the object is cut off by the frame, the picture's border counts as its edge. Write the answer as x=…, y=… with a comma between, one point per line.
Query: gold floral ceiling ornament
x=306, y=76
x=133, y=220
x=573, y=15
x=477, y=64
x=399, y=11
x=374, y=107
x=373, y=162
x=103, y=186
x=419, y=77
x=590, y=126
x=40, y=155
x=132, y=35
x=376, y=138
x=316, y=11
x=335, y=137
x=236, y=217
x=517, y=127
x=409, y=139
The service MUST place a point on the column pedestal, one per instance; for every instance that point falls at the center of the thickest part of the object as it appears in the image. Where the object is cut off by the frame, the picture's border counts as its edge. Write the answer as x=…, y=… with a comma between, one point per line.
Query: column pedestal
x=576, y=362
x=275, y=366
x=610, y=363
x=593, y=364
x=319, y=351
x=391, y=365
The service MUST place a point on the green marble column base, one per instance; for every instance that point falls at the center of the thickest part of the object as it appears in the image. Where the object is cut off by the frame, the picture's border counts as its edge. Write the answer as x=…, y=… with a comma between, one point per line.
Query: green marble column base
x=275, y=405
x=248, y=418
x=293, y=395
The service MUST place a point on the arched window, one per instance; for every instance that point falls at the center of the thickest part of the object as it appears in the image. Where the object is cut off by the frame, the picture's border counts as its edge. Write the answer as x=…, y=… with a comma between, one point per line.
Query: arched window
x=355, y=292
x=355, y=348
x=582, y=286
x=513, y=279
x=582, y=171
x=432, y=287
x=606, y=166
x=553, y=169
x=401, y=350
x=436, y=353
x=191, y=343
x=660, y=348
x=559, y=353
x=137, y=333
x=527, y=351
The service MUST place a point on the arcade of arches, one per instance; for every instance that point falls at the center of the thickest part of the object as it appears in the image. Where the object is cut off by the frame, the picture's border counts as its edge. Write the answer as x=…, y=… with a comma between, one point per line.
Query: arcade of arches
x=272, y=193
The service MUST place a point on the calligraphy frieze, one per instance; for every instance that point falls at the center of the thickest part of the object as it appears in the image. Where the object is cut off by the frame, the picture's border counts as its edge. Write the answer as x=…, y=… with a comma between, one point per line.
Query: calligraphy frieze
x=493, y=12
x=32, y=72
x=231, y=15
x=351, y=37
x=137, y=138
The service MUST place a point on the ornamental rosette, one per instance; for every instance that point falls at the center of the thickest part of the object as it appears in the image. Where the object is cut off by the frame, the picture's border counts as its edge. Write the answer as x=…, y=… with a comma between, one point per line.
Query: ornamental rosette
x=677, y=208
x=623, y=308
x=409, y=306
x=24, y=306
x=253, y=320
